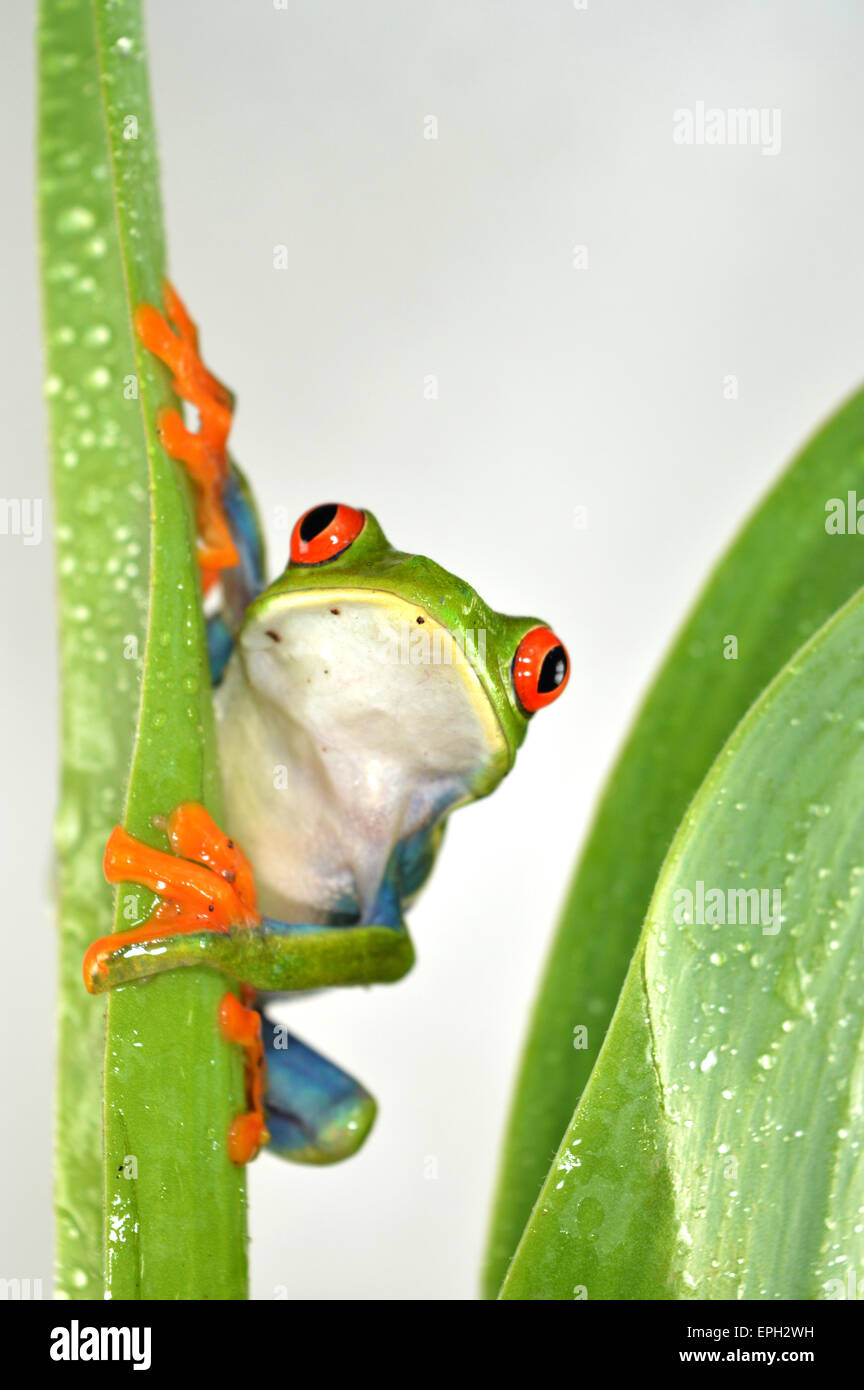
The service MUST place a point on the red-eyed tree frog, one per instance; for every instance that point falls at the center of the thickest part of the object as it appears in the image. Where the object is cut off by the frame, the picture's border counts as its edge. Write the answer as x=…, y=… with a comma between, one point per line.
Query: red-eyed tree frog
x=361, y=698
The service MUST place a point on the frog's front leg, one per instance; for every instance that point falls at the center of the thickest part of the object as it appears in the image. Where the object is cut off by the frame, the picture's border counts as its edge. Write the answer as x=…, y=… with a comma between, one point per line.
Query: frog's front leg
x=208, y=916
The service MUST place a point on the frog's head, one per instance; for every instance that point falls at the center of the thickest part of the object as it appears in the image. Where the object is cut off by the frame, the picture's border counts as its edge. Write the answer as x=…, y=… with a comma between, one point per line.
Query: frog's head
x=374, y=648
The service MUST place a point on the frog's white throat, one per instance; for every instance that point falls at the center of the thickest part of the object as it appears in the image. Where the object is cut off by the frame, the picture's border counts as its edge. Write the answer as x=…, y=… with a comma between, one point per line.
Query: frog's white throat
x=348, y=720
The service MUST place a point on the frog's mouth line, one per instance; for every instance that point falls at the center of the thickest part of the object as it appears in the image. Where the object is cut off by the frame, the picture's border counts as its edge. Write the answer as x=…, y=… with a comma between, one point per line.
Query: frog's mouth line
x=409, y=636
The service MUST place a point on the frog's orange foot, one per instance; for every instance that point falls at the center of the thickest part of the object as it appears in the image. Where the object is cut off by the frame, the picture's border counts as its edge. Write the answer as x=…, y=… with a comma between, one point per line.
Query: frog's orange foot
x=242, y=1024
x=205, y=884
x=204, y=453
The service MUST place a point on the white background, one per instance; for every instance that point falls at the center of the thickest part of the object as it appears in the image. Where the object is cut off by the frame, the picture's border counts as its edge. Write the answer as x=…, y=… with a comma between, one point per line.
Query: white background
x=559, y=388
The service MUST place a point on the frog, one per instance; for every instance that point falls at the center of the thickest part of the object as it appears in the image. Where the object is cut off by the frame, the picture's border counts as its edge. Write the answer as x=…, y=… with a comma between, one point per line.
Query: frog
x=360, y=699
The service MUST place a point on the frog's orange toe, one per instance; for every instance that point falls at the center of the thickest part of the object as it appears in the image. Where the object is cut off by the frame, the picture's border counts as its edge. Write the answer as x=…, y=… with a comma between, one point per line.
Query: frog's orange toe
x=195, y=835
x=206, y=884
x=203, y=898
x=95, y=970
x=153, y=331
x=247, y=1134
x=242, y=1025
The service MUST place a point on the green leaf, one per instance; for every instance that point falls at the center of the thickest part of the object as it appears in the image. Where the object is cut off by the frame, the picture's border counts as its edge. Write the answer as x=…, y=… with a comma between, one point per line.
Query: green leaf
x=716, y=1152
x=782, y=578
x=135, y=690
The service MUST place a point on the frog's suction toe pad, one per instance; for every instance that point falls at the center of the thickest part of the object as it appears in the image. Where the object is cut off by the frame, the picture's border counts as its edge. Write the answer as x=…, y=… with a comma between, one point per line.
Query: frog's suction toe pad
x=324, y=532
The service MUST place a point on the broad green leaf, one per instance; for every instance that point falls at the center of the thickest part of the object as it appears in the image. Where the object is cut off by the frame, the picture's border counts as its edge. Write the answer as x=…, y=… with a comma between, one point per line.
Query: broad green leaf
x=716, y=1152
x=782, y=578
x=163, y=1197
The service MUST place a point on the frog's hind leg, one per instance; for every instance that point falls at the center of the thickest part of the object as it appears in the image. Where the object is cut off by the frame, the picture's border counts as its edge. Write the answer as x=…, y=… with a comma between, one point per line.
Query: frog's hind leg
x=316, y=1113
x=229, y=537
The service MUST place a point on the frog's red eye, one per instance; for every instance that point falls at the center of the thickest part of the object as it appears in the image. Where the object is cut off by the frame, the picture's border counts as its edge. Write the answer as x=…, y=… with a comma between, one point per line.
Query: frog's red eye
x=324, y=532
x=541, y=669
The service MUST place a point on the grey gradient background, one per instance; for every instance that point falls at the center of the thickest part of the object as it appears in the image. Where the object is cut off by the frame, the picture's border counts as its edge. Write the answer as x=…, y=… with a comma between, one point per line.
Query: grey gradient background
x=558, y=388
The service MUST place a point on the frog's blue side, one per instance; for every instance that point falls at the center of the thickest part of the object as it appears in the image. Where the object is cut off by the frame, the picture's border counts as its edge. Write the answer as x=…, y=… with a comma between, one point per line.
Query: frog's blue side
x=247, y=579
x=414, y=857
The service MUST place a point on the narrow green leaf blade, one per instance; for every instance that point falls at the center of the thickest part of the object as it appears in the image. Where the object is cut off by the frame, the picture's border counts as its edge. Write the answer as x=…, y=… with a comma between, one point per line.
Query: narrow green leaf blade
x=716, y=1152
x=102, y=531
x=781, y=579
x=174, y=1218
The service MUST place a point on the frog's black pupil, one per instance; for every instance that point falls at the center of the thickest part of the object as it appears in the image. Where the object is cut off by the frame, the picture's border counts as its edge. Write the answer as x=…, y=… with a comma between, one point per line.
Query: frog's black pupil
x=553, y=670
x=317, y=520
